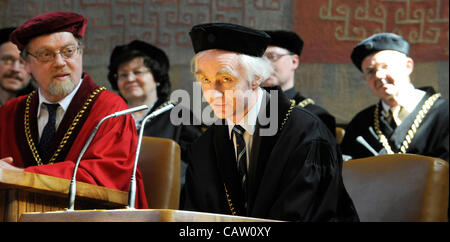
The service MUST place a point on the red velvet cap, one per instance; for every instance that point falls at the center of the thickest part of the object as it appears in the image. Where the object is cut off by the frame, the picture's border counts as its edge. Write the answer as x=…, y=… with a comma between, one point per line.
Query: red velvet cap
x=49, y=23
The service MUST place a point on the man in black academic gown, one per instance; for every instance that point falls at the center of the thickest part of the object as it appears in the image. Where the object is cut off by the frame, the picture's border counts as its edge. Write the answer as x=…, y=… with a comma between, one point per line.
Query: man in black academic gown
x=406, y=119
x=284, y=52
x=266, y=157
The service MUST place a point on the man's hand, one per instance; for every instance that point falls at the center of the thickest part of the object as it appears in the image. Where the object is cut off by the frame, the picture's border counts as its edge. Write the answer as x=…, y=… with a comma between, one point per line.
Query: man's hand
x=7, y=163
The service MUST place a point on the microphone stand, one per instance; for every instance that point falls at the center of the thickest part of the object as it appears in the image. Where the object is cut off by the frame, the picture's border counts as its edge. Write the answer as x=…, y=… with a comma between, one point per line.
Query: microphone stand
x=132, y=189
x=363, y=142
x=73, y=185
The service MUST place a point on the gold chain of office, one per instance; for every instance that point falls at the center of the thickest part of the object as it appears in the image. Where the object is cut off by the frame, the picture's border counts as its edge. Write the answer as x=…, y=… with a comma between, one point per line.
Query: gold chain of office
x=230, y=202
x=412, y=130
x=306, y=102
x=66, y=137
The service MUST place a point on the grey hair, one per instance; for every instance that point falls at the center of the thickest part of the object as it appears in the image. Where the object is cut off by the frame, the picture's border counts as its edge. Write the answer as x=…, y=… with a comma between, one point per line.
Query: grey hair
x=257, y=68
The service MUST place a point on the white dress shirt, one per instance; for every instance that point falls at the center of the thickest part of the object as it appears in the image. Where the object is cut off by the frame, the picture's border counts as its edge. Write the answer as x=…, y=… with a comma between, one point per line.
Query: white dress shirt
x=408, y=99
x=248, y=122
x=42, y=113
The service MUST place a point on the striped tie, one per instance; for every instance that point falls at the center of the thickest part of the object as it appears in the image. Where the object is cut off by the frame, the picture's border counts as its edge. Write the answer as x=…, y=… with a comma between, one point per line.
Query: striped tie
x=241, y=158
x=49, y=130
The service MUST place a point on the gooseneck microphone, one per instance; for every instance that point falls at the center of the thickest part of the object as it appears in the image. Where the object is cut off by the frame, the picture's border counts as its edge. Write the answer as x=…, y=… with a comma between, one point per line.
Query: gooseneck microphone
x=363, y=142
x=132, y=189
x=73, y=185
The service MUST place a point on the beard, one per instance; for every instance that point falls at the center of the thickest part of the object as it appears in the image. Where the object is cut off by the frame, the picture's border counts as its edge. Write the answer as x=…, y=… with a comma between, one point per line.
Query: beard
x=61, y=88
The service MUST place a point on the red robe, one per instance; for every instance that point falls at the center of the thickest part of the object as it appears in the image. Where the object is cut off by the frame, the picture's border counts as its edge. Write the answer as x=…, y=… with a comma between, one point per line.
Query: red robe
x=107, y=162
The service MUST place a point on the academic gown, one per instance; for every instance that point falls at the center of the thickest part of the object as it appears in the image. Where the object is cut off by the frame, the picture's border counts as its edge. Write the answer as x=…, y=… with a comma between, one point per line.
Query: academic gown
x=431, y=138
x=294, y=175
x=323, y=114
x=108, y=161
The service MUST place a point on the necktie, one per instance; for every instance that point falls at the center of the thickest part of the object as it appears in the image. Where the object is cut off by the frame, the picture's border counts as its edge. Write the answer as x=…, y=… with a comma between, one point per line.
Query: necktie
x=49, y=130
x=241, y=158
x=395, y=121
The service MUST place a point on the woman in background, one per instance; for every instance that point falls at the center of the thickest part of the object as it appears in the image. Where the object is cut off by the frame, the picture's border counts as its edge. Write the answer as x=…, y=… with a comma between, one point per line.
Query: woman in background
x=140, y=72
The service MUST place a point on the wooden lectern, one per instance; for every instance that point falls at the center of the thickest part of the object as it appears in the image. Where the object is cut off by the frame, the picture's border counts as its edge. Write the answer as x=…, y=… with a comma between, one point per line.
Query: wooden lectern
x=136, y=215
x=22, y=192
x=32, y=197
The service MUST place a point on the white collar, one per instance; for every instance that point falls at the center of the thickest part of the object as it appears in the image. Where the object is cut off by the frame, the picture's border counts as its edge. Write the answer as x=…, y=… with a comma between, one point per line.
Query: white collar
x=248, y=122
x=64, y=103
x=408, y=100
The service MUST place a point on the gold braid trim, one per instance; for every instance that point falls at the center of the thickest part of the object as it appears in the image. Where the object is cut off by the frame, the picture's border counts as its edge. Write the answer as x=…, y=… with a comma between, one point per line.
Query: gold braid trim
x=66, y=136
x=412, y=130
x=230, y=203
x=306, y=102
x=288, y=113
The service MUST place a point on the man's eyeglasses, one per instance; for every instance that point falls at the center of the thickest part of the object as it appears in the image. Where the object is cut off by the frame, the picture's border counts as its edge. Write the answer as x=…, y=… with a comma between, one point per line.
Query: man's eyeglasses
x=46, y=55
x=274, y=57
x=370, y=73
x=10, y=61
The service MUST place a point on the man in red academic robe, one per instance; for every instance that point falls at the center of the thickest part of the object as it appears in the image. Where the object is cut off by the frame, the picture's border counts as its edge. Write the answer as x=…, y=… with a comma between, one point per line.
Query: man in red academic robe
x=45, y=131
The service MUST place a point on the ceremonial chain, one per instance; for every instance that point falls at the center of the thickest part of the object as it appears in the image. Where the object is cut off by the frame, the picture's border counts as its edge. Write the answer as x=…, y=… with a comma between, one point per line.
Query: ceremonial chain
x=306, y=102
x=411, y=132
x=288, y=113
x=230, y=204
x=66, y=136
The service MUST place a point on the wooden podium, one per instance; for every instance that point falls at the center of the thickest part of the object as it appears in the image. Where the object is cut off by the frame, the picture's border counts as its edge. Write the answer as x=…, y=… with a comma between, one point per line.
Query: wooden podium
x=31, y=197
x=22, y=192
x=135, y=215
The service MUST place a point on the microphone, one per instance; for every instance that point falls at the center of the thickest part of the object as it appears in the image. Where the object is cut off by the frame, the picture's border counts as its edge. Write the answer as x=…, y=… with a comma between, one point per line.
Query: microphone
x=132, y=189
x=73, y=185
x=372, y=132
x=362, y=141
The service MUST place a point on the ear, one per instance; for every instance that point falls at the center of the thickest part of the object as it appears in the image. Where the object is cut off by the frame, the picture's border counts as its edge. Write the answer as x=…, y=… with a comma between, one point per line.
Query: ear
x=256, y=82
x=295, y=62
x=409, y=65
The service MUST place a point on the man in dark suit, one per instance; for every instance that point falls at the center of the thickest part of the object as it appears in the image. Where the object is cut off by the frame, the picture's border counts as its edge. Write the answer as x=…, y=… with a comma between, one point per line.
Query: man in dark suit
x=266, y=157
x=406, y=119
x=284, y=52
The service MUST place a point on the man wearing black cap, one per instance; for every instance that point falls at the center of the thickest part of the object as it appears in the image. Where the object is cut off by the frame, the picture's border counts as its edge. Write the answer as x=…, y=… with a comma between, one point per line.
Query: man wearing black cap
x=45, y=131
x=284, y=52
x=406, y=119
x=266, y=157
x=14, y=80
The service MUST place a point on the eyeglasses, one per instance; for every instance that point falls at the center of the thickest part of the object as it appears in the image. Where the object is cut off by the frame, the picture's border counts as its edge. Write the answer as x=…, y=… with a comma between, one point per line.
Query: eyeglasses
x=46, y=55
x=10, y=61
x=136, y=73
x=371, y=72
x=274, y=57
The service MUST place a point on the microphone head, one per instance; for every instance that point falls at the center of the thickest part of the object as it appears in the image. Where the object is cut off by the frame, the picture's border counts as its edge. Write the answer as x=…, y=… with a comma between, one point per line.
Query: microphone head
x=130, y=110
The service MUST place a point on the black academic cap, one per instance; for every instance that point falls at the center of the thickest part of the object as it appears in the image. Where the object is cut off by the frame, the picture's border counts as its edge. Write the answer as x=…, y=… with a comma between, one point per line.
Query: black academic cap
x=231, y=37
x=4, y=34
x=378, y=42
x=286, y=39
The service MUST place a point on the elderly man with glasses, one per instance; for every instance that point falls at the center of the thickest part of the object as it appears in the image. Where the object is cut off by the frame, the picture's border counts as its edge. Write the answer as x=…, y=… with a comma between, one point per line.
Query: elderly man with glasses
x=45, y=131
x=14, y=80
x=406, y=119
x=264, y=157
